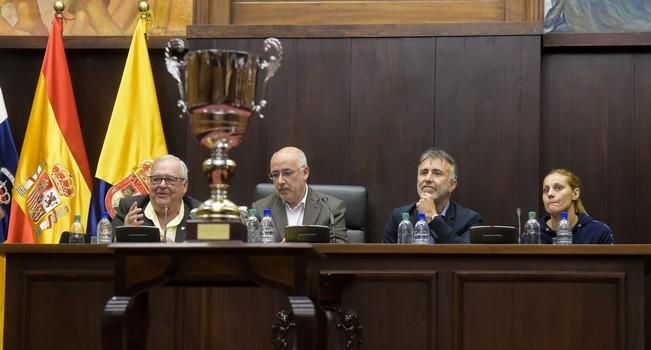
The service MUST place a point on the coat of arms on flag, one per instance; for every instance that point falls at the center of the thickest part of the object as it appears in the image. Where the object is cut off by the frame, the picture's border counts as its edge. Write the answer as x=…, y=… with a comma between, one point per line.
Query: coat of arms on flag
x=6, y=185
x=135, y=183
x=43, y=192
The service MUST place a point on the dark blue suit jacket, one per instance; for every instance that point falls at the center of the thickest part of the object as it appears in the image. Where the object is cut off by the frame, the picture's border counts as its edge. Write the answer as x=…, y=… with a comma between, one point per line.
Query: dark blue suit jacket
x=586, y=231
x=453, y=228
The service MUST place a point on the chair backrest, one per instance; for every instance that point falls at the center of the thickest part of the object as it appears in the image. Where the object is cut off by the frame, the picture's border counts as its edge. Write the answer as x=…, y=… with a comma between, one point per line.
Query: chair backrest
x=355, y=198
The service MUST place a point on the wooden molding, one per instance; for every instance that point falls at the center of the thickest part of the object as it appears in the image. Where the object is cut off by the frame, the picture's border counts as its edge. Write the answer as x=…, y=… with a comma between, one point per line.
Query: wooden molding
x=363, y=30
x=80, y=42
x=596, y=39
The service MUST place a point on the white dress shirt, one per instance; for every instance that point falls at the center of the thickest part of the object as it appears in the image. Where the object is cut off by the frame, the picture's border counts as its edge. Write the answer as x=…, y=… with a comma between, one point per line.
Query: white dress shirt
x=171, y=226
x=295, y=215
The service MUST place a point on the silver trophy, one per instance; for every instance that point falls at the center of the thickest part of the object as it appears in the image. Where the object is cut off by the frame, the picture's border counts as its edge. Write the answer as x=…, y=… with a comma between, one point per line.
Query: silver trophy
x=218, y=95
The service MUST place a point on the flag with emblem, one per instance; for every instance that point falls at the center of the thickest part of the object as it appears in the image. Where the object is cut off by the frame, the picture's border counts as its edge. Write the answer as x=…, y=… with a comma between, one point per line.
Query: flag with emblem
x=53, y=180
x=135, y=133
x=8, y=162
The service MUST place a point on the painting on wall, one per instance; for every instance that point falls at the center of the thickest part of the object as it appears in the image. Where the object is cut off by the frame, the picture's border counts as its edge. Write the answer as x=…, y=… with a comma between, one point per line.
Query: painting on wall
x=93, y=17
x=597, y=16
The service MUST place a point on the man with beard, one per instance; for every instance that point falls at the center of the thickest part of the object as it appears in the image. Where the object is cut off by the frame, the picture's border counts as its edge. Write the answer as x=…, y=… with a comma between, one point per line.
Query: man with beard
x=449, y=222
x=166, y=207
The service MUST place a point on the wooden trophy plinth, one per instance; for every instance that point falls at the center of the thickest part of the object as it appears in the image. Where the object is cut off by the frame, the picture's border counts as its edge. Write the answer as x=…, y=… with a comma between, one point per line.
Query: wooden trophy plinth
x=207, y=230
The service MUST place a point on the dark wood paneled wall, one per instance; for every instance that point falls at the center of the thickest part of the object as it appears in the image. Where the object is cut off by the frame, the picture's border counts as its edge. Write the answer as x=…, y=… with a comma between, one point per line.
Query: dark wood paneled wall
x=364, y=108
x=595, y=121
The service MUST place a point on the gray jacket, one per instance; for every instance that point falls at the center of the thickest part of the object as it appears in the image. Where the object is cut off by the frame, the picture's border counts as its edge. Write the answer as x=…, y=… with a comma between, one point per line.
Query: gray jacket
x=318, y=207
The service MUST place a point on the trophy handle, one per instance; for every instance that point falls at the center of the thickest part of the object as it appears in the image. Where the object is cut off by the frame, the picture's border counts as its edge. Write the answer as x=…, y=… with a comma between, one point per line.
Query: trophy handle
x=273, y=47
x=174, y=51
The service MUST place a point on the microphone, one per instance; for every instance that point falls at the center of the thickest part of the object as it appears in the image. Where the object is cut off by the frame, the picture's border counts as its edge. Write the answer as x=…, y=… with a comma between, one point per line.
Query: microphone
x=518, y=212
x=331, y=226
x=165, y=225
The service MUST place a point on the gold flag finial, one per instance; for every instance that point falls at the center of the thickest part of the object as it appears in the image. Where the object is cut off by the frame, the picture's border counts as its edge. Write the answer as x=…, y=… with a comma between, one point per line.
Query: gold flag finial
x=143, y=6
x=145, y=14
x=59, y=7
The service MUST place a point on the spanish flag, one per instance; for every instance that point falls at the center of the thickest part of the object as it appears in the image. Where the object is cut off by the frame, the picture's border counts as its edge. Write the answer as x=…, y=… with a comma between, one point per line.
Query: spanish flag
x=135, y=133
x=52, y=182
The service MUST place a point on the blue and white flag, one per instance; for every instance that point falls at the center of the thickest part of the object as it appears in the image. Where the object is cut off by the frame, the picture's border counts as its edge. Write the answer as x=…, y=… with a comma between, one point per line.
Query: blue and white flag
x=8, y=163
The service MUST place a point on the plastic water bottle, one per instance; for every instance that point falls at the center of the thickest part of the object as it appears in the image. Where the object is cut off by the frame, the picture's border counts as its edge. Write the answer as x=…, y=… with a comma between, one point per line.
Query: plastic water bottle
x=268, y=231
x=253, y=227
x=564, y=231
x=77, y=231
x=531, y=234
x=421, y=230
x=405, y=230
x=104, y=230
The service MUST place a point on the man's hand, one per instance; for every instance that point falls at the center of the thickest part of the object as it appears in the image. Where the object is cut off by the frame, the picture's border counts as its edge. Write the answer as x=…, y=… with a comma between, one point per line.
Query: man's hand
x=134, y=216
x=427, y=206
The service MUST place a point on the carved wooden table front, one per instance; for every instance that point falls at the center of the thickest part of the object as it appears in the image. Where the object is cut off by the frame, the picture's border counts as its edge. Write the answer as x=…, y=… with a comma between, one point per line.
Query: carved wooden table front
x=290, y=268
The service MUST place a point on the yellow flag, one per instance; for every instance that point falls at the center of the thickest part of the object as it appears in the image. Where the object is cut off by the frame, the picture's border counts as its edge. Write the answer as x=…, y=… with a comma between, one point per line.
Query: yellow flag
x=135, y=133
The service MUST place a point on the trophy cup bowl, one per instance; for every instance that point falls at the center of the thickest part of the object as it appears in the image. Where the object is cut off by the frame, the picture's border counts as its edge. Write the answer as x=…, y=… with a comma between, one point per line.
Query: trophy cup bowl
x=218, y=95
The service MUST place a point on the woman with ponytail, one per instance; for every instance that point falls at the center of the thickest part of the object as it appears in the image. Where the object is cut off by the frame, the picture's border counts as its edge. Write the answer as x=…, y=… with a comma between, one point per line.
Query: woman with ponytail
x=561, y=191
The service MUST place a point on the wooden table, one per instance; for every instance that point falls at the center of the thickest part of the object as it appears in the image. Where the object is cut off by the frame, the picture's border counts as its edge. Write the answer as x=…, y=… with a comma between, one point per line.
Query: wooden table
x=395, y=297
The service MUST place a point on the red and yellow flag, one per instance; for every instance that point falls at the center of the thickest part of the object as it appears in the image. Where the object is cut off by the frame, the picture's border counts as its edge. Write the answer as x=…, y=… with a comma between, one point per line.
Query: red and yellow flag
x=52, y=181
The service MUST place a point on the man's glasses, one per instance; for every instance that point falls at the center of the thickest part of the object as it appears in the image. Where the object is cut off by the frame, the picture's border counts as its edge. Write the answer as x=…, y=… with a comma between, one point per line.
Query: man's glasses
x=170, y=180
x=284, y=173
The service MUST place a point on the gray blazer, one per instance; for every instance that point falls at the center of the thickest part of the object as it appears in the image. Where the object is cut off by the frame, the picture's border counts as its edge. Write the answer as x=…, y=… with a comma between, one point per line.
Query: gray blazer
x=318, y=207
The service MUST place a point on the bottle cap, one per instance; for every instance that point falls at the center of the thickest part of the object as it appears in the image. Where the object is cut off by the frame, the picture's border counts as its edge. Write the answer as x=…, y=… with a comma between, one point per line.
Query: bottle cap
x=405, y=216
x=253, y=212
x=563, y=215
x=78, y=218
x=532, y=215
x=267, y=212
x=105, y=214
x=421, y=216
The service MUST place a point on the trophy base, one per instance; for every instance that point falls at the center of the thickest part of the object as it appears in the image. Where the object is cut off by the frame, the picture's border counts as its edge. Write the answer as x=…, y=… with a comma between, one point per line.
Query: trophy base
x=223, y=211
x=216, y=220
x=207, y=230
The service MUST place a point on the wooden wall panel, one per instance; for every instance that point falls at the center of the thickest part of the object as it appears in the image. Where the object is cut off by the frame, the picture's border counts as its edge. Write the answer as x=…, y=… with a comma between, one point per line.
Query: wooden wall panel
x=487, y=118
x=330, y=12
x=377, y=294
x=214, y=317
x=596, y=306
x=392, y=106
x=588, y=125
x=322, y=111
x=366, y=12
x=74, y=292
x=639, y=205
x=523, y=10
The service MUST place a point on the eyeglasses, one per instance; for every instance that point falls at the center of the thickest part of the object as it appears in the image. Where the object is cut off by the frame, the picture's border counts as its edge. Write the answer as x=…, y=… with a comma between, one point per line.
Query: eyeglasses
x=170, y=180
x=284, y=173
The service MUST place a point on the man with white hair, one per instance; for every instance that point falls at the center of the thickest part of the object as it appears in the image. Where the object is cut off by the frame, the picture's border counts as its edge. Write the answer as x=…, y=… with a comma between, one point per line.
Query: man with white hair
x=166, y=207
x=294, y=202
x=448, y=221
